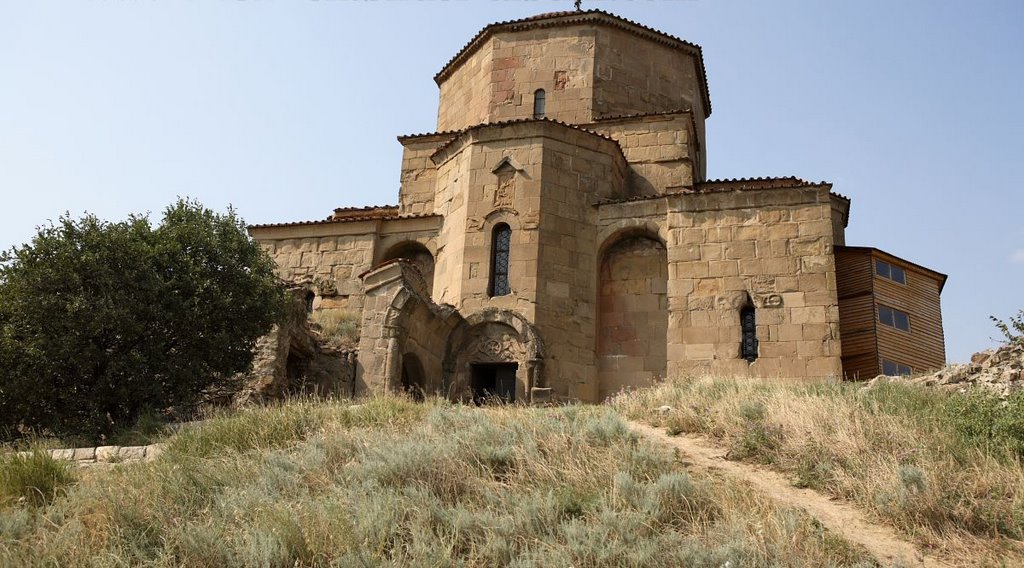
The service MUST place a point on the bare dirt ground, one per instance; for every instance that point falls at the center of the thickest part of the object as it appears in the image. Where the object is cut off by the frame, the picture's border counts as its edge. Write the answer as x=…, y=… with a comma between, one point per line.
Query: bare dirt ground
x=841, y=518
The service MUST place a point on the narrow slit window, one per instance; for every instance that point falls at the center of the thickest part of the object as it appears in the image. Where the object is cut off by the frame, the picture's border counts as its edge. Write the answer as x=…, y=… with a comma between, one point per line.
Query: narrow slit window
x=501, y=243
x=748, y=325
x=539, y=100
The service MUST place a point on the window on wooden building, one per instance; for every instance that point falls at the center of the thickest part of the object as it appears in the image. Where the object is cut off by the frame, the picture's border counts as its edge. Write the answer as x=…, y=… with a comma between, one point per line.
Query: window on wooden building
x=894, y=318
x=539, y=100
x=892, y=272
x=501, y=243
x=748, y=328
x=894, y=369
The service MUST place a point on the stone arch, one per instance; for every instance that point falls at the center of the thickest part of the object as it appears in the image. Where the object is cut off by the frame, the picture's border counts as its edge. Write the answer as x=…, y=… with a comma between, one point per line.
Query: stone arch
x=404, y=325
x=495, y=338
x=417, y=254
x=500, y=215
x=611, y=235
x=632, y=318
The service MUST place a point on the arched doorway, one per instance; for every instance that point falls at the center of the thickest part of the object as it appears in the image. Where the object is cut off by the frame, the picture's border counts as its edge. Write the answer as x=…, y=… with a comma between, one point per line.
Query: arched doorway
x=632, y=322
x=495, y=356
x=418, y=255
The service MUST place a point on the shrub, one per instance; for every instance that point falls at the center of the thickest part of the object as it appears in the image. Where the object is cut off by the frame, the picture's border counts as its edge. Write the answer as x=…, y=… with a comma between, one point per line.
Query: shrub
x=34, y=477
x=100, y=321
x=1012, y=331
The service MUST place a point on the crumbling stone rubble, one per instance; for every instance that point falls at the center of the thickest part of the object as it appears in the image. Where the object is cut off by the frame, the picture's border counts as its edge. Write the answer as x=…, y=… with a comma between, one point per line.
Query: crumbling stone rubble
x=997, y=370
x=294, y=358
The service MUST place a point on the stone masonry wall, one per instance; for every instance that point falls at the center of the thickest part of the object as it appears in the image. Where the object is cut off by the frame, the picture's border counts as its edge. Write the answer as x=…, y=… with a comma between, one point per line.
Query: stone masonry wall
x=633, y=76
x=499, y=80
x=771, y=246
x=399, y=319
x=327, y=265
x=632, y=323
x=659, y=149
x=465, y=97
x=575, y=178
x=419, y=175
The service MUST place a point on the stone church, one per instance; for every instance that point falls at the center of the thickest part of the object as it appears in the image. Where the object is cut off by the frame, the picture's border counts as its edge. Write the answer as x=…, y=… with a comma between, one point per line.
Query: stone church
x=557, y=238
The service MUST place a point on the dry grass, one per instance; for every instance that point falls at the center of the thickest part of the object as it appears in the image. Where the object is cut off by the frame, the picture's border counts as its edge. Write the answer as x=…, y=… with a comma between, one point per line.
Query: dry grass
x=896, y=450
x=339, y=327
x=393, y=483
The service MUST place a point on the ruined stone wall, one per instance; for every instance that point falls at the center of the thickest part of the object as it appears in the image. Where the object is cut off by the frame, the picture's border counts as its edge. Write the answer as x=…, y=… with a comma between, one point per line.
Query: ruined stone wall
x=293, y=358
x=771, y=246
x=327, y=258
x=327, y=265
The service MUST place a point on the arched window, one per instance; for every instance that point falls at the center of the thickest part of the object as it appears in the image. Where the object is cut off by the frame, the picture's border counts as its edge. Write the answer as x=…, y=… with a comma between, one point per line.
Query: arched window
x=748, y=327
x=310, y=296
x=501, y=242
x=538, y=103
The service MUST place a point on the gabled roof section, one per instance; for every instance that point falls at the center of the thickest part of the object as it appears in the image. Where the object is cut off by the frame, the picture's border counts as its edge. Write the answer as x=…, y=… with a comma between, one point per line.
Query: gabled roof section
x=462, y=133
x=888, y=256
x=600, y=17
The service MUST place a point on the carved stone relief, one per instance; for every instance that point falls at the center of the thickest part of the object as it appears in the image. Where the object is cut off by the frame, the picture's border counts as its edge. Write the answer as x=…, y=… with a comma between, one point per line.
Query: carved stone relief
x=768, y=301
x=734, y=301
x=530, y=220
x=325, y=287
x=495, y=343
x=506, y=188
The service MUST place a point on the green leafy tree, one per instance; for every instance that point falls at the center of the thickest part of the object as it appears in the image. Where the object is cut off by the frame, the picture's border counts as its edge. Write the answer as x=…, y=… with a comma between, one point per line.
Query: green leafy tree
x=102, y=321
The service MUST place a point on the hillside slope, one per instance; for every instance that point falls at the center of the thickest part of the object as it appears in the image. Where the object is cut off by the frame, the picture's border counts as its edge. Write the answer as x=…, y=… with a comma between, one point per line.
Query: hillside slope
x=395, y=483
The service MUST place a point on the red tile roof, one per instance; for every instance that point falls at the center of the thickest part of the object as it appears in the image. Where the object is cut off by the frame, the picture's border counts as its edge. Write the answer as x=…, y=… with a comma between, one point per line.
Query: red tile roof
x=351, y=215
x=737, y=184
x=740, y=184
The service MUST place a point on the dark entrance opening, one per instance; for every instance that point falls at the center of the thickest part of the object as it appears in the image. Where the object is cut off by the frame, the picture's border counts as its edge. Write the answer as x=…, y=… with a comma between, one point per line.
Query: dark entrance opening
x=412, y=377
x=494, y=382
x=295, y=368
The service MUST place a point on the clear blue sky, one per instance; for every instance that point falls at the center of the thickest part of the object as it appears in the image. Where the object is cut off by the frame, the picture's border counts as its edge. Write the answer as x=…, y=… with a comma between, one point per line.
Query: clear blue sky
x=287, y=109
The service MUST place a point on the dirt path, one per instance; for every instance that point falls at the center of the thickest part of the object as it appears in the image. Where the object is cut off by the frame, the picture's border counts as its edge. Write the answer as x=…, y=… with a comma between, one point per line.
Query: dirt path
x=841, y=518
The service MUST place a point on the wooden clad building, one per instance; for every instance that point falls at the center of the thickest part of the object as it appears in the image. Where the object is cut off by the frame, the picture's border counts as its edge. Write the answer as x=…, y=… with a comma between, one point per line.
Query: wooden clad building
x=889, y=314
